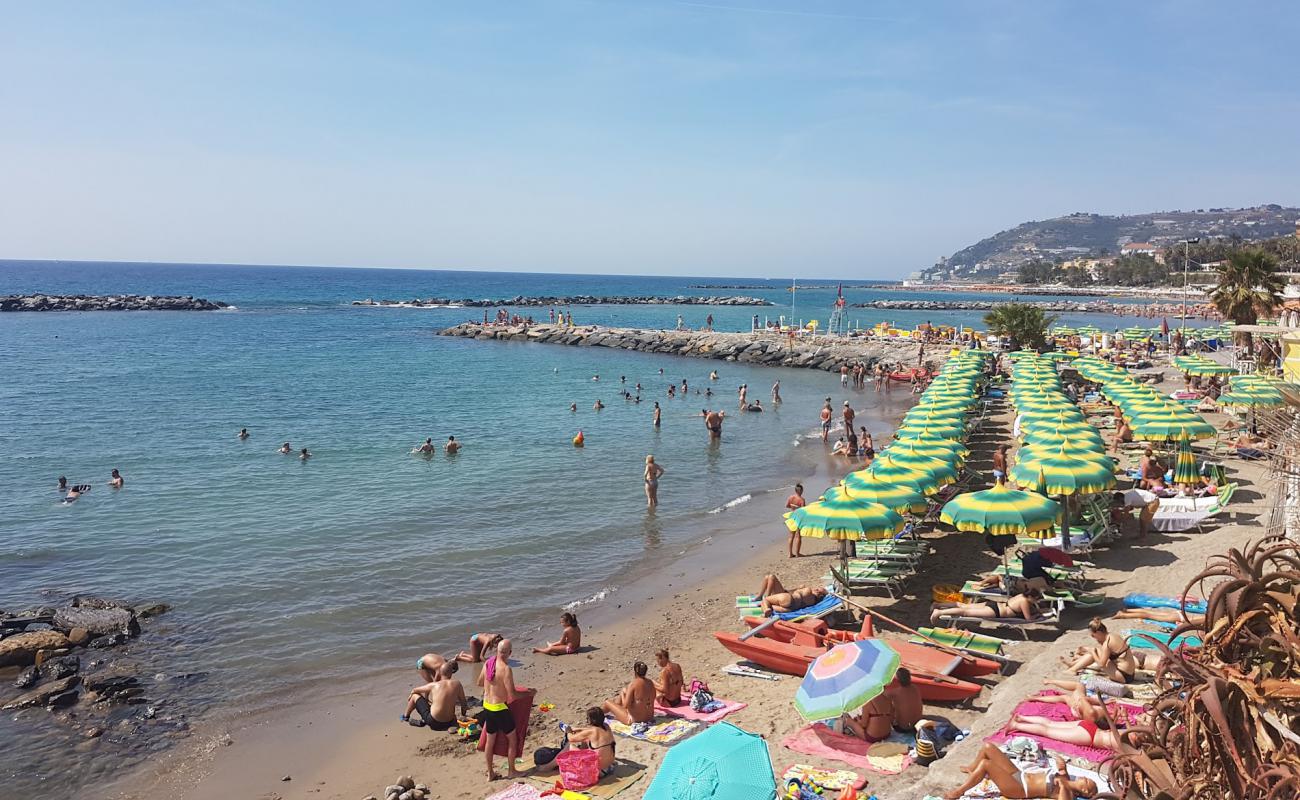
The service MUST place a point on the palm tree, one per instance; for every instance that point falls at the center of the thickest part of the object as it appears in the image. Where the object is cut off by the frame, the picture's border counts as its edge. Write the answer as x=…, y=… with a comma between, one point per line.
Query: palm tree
x=1249, y=286
x=1026, y=325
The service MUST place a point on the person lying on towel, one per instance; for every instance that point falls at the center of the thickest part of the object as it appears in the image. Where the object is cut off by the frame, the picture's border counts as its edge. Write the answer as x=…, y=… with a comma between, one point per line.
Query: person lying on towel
x=793, y=600
x=1021, y=605
x=993, y=764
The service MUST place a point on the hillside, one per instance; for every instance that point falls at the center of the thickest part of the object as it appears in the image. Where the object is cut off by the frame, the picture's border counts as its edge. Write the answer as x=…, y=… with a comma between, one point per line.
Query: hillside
x=1098, y=234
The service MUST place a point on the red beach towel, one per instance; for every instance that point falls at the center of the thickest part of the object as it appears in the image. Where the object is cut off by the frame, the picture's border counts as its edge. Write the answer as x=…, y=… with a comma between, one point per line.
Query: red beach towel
x=521, y=709
x=684, y=711
x=819, y=740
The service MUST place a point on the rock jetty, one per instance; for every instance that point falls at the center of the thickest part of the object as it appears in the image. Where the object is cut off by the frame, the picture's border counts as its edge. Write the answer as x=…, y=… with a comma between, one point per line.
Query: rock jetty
x=577, y=300
x=114, y=302
x=749, y=348
x=985, y=305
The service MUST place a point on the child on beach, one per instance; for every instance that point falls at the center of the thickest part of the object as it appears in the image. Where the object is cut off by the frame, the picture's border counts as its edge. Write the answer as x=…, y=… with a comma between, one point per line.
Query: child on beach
x=569, y=641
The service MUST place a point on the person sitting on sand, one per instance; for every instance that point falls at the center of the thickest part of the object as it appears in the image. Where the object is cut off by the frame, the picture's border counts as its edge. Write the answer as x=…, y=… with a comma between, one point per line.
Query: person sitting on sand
x=1123, y=432
x=286, y=449
x=1078, y=732
x=436, y=701
x=596, y=736
x=452, y=447
x=841, y=448
x=873, y=723
x=1112, y=656
x=994, y=765
x=1022, y=605
x=668, y=689
x=1149, y=469
x=427, y=447
x=1169, y=615
x=429, y=665
x=570, y=639
x=905, y=699
x=636, y=703
x=479, y=646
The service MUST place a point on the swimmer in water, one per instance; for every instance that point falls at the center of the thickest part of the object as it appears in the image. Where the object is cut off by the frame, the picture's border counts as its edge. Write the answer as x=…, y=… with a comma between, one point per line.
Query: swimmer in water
x=243, y=433
x=776, y=392
x=708, y=391
x=757, y=405
x=63, y=484
x=453, y=446
x=713, y=376
x=304, y=455
x=75, y=492
x=596, y=406
x=427, y=447
x=595, y=377
x=573, y=407
x=115, y=480
x=286, y=449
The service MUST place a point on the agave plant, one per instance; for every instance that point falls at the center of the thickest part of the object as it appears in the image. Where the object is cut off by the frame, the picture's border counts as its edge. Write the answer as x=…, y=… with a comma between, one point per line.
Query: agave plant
x=1227, y=720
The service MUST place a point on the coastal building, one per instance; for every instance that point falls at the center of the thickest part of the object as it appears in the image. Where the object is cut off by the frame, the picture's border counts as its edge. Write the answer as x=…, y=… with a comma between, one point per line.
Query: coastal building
x=1139, y=249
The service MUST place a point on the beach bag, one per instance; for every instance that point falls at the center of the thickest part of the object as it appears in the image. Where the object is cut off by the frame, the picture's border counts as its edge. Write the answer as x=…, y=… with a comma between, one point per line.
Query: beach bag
x=700, y=695
x=579, y=769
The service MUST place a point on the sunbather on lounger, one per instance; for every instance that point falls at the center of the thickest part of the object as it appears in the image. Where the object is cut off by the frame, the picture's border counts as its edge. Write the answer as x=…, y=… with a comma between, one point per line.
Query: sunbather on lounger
x=1021, y=605
x=1079, y=732
x=793, y=600
x=1170, y=615
x=993, y=764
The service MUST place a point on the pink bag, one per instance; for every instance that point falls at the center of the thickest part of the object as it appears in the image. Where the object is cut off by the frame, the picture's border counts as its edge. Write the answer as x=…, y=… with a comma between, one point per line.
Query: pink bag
x=579, y=769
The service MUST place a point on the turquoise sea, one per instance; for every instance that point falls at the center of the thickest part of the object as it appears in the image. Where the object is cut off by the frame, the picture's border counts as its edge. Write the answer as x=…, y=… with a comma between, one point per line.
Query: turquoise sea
x=284, y=574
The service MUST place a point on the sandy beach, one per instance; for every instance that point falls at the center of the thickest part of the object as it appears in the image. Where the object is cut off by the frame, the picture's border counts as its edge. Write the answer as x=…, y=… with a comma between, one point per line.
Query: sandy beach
x=350, y=746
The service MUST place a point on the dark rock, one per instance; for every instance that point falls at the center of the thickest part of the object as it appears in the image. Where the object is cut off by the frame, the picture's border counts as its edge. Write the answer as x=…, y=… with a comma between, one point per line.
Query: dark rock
x=112, y=640
x=95, y=603
x=40, y=696
x=151, y=610
x=28, y=677
x=93, y=732
x=111, y=685
x=62, y=699
x=97, y=621
x=38, y=626
x=61, y=667
x=110, y=303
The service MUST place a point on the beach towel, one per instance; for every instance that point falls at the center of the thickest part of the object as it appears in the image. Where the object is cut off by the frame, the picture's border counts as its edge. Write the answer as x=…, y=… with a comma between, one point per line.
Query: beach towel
x=521, y=709
x=623, y=776
x=684, y=711
x=819, y=740
x=833, y=779
x=1140, y=600
x=660, y=731
x=828, y=603
x=1056, y=711
x=1140, y=641
x=988, y=790
x=519, y=791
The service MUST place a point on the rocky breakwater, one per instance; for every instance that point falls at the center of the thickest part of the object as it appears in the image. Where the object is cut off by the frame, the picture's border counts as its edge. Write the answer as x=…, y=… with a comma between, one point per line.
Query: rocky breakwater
x=765, y=349
x=57, y=657
x=113, y=302
x=520, y=301
x=1097, y=307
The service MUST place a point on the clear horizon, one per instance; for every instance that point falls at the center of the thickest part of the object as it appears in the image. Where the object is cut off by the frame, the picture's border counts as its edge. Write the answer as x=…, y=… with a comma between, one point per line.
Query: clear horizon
x=722, y=139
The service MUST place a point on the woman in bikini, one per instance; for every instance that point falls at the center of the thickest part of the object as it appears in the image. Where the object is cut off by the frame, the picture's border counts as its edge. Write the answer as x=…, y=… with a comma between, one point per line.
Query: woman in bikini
x=1021, y=605
x=479, y=646
x=651, y=476
x=570, y=640
x=774, y=597
x=1170, y=615
x=1078, y=732
x=597, y=736
x=874, y=723
x=1112, y=657
x=993, y=764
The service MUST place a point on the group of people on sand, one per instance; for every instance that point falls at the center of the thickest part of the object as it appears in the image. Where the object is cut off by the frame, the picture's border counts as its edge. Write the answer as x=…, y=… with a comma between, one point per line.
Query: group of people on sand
x=71, y=492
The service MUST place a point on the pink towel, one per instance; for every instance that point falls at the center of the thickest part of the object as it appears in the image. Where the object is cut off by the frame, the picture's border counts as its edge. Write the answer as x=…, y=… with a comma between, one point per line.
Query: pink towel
x=684, y=711
x=1056, y=711
x=819, y=740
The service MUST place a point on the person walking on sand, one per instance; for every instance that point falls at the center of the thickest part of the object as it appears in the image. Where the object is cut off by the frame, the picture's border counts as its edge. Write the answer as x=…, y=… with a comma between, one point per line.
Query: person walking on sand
x=498, y=682
x=668, y=689
x=636, y=703
x=826, y=421
x=652, y=473
x=658, y=414
x=776, y=392
x=795, y=502
x=713, y=421
x=1000, y=465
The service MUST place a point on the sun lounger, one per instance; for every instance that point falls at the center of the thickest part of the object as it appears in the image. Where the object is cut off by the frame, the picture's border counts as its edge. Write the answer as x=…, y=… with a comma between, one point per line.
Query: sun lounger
x=863, y=581
x=1194, y=605
x=1061, y=596
x=1143, y=639
x=974, y=643
x=1018, y=623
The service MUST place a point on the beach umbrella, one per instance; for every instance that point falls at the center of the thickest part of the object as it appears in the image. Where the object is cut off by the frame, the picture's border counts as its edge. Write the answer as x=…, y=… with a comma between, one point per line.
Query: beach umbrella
x=845, y=679
x=949, y=430
x=1061, y=415
x=1209, y=368
x=1185, y=471
x=844, y=519
x=1001, y=510
x=933, y=443
x=945, y=454
x=1032, y=429
x=722, y=762
x=1067, y=448
x=1062, y=475
x=1171, y=427
x=1252, y=396
x=861, y=487
x=885, y=470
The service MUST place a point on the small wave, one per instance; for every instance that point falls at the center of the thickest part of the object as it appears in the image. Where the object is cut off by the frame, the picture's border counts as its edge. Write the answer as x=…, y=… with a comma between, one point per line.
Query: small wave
x=744, y=498
x=595, y=598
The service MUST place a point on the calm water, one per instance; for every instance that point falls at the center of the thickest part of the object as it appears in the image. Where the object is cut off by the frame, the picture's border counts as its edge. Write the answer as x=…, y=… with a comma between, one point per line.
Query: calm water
x=283, y=572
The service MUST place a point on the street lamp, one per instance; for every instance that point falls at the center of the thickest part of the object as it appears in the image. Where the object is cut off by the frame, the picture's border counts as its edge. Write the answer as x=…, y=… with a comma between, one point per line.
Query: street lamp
x=1187, y=260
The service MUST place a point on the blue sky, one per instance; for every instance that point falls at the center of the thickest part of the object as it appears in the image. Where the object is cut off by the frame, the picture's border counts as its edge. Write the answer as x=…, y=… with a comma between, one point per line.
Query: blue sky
x=755, y=137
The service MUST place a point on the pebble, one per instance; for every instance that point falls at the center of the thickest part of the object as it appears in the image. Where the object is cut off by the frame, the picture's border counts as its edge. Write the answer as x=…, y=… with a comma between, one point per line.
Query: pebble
x=287, y=778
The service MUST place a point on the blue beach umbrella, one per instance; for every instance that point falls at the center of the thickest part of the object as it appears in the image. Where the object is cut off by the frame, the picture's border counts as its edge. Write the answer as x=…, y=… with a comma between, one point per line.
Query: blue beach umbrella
x=721, y=763
x=846, y=678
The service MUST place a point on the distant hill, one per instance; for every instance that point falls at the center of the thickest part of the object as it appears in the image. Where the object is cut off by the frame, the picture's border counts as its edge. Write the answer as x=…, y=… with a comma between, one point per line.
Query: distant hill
x=1098, y=234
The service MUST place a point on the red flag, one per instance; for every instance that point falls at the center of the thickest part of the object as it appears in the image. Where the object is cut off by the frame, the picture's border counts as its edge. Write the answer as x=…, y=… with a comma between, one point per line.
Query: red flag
x=1164, y=326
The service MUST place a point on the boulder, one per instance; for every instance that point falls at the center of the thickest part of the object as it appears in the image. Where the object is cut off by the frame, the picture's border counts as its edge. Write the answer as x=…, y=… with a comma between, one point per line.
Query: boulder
x=28, y=677
x=104, y=642
x=151, y=610
x=20, y=650
x=78, y=636
x=61, y=667
x=44, y=694
x=97, y=621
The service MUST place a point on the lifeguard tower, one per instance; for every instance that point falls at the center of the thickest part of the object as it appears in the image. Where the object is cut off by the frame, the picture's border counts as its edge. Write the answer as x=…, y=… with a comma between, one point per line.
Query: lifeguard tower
x=839, y=324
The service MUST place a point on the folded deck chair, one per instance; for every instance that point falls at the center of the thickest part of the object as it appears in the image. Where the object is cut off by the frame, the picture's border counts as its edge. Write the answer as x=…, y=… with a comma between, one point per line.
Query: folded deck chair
x=863, y=581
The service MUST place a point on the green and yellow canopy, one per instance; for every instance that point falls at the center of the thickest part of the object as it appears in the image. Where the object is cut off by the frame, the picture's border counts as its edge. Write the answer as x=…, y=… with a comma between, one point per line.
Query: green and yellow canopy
x=1001, y=510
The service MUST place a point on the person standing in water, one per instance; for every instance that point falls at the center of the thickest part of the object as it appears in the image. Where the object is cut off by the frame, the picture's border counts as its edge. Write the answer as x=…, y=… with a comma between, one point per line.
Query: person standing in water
x=743, y=391
x=304, y=455
x=658, y=414
x=776, y=392
x=452, y=446
x=826, y=421
x=427, y=447
x=286, y=448
x=115, y=480
x=849, y=414
x=713, y=421
x=652, y=473
x=243, y=433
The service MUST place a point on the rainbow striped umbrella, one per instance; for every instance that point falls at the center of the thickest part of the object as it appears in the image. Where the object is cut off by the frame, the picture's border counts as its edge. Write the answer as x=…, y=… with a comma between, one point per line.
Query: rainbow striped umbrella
x=845, y=679
x=1061, y=475
x=1185, y=471
x=1001, y=510
x=844, y=519
x=863, y=488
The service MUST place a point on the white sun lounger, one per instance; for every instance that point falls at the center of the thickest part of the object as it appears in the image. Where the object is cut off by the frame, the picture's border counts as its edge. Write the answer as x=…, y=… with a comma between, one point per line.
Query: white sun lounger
x=1019, y=623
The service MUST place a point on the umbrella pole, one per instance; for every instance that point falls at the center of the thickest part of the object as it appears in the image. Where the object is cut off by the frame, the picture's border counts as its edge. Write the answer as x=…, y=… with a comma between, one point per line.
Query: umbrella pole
x=1065, y=522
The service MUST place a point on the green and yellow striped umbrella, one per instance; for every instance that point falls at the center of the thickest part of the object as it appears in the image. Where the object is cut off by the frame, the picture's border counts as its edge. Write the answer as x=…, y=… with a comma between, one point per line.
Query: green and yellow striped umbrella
x=934, y=445
x=1064, y=476
x=1058, y=416
x=844, y=519
x=886, y=471
x=1068, y=429
x=1001, y=510
x=943, y=471
x=1171, y=427
x=861, y=487
x=1209, y=368
x=1066, y=448
x=1185, y=471
x=950, y=430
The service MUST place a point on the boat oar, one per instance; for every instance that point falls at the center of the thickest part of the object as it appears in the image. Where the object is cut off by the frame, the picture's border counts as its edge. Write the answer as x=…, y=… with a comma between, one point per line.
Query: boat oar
x=760, y=628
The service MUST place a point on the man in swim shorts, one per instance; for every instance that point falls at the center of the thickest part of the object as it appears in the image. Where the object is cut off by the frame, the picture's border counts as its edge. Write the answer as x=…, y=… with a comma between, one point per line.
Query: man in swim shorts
x=498, y=682
x=713, y=421
x=826, y=421
x=427, y=447
x=436, y=702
